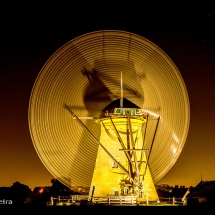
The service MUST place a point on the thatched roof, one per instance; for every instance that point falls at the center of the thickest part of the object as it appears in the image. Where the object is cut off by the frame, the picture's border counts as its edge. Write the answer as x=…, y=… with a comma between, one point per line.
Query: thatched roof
x=204, y=189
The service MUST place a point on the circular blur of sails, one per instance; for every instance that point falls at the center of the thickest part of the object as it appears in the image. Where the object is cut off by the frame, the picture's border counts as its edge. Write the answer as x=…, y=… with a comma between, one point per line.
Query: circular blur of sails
x=84, y=74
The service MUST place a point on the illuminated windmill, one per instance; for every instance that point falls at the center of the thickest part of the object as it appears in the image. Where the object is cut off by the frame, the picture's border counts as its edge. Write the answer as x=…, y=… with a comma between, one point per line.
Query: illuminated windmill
x=123, y=170
x=121, y=164
x=83, y=75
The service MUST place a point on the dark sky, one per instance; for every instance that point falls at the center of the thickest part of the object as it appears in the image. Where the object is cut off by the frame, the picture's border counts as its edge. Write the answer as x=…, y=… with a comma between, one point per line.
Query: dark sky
x=30, y=34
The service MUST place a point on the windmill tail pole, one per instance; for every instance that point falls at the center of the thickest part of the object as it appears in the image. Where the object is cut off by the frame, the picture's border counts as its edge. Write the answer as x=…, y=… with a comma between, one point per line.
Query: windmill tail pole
x=121, y=94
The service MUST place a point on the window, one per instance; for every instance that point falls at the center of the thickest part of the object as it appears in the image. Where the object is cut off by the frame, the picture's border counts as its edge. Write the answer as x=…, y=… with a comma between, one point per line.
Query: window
x=117, y=110
x=125, y=190
x=116, y=192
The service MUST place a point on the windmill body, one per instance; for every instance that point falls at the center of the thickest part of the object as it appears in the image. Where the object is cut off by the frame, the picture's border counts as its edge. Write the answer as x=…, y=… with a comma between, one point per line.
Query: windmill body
x=125, y=172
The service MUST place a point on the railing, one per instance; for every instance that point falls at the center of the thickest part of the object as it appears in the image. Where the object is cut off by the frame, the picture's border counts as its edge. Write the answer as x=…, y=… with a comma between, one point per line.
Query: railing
x=173, y=200
x=115, y=200
x=71, y=198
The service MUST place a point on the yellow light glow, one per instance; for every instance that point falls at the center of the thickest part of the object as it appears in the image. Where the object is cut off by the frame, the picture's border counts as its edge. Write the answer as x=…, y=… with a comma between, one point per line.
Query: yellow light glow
x=41, y=190
x=151, y=113
x=150, y=79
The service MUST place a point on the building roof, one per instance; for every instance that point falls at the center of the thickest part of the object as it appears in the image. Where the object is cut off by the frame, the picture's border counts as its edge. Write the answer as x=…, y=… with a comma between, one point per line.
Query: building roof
x=204, y=189
x=116, y=104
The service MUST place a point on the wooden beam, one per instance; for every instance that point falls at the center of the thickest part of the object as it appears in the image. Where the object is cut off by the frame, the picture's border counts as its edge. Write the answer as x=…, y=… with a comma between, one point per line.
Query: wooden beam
x=134, y=149
x=134, y=152
x=120, y=140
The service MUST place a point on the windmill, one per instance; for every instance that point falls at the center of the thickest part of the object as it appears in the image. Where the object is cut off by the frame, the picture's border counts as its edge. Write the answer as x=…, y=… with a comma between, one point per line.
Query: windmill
x=122, y=164
x=83, y=71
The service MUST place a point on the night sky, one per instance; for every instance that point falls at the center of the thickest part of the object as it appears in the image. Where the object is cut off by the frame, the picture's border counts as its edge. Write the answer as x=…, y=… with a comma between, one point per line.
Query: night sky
x=30, y=34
